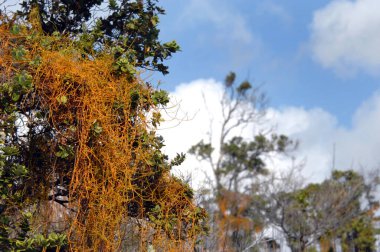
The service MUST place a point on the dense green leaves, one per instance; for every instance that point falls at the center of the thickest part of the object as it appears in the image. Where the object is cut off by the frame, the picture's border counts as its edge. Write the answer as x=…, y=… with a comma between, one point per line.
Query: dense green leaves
x=160, y=97
x=61, y=16
x=131, y=26
x=41, y=242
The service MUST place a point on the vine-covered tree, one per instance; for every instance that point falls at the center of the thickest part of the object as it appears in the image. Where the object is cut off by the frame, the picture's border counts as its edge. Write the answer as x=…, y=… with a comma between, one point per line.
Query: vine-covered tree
x=81, y=165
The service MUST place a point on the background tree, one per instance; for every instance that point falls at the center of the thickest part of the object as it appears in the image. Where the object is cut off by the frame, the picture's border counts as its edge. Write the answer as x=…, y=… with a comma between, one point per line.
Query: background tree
x=320, y=212
x=359, y=232
x=237, y=164
x=78, y=134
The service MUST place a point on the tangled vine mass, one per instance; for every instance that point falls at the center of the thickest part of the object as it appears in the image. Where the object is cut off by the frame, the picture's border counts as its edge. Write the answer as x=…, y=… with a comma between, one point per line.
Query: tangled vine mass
x=80, y=155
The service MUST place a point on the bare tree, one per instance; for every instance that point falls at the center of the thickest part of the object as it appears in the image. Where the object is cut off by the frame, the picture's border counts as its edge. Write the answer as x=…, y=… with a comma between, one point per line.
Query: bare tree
x=236, y=164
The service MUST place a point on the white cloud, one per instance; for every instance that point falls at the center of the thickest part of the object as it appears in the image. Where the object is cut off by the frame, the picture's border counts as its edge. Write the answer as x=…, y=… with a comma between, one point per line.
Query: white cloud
x=188, y=122
x=316, y=129
x=345, y=36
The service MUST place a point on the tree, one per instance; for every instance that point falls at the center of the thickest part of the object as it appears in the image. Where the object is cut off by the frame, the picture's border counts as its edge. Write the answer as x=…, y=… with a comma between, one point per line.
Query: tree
x=359, y=233
x=320, y=212
x=237, y=164
x=78, y=132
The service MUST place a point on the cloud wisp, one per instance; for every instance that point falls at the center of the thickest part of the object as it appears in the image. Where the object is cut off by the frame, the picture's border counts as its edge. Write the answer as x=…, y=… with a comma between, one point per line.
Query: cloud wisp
x=223, y=28
x=228, y=22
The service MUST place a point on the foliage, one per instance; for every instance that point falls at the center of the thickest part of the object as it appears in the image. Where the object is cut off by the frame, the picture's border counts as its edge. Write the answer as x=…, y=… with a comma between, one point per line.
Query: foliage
x=24, y=240
x=78, y=138
x=358, y=234
x=130, y=26
x=324, y=211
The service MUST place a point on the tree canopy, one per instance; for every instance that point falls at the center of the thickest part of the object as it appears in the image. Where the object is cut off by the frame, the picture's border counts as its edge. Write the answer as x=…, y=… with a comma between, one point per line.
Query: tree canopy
x=129, y=26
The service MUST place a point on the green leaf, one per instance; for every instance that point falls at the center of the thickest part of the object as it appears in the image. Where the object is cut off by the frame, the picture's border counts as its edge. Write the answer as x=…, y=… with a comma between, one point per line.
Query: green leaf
x=36, y=61
x=15, y=29
x=53, y=237
x=123, y=65
x=172, y=46
x=131, y=26
x=97, y=128
x=178, y=160
x=10, y=151
x=160, y=97
x=19, y=170
x=112, y=4
x=62, y=99
x=64, y=151
x=62, y=240
x=72, y=128
x=56, y=34
x=15, y=97
x=18, y=53
x=24, y=80
x=154, y=20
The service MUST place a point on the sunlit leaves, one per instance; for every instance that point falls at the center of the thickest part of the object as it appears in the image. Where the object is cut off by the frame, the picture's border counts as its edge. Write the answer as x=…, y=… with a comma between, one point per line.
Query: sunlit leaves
x=156, y=119
x=62, y=99
x=172, y=46
x=52, y=240
x=9, y=150
x=124, y=66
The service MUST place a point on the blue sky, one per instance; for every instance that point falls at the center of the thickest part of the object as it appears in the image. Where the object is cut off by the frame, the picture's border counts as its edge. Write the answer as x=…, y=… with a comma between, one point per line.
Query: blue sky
x=318, y=61
x=267, y=42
